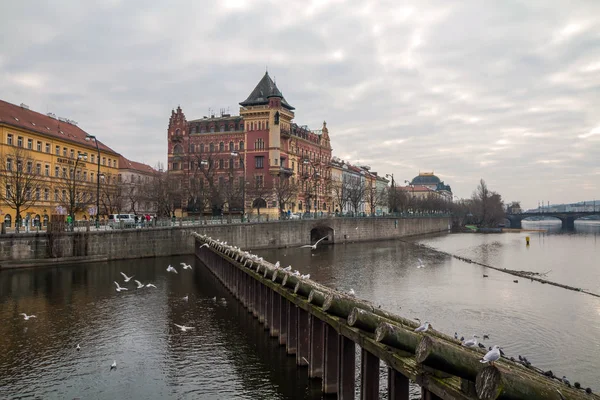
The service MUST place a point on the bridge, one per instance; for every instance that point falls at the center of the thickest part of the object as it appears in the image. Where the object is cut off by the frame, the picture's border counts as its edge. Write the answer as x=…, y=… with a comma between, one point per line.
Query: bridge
x=567, y=218
x=323, y=328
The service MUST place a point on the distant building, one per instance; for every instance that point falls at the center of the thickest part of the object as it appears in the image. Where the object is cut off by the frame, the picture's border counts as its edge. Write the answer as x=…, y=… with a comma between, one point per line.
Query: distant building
x=135, y=180
x=425, y=184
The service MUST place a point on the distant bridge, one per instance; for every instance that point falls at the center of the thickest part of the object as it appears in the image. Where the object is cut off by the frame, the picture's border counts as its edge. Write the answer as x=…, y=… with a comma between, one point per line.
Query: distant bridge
x=567, y=218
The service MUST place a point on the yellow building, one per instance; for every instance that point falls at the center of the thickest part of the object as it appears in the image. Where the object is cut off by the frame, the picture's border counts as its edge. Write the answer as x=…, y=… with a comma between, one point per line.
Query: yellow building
x=49, y=165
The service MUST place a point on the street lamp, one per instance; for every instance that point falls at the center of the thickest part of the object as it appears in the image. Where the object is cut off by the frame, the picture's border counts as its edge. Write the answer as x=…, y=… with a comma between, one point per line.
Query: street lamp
x=88, y=138
x=237, y=154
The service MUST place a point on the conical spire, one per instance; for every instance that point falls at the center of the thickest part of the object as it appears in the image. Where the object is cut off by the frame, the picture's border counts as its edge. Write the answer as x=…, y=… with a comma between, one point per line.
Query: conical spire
x=266, y=88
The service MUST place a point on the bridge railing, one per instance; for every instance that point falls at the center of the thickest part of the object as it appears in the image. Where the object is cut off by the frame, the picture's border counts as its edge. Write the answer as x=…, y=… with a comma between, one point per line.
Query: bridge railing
x=322, y=328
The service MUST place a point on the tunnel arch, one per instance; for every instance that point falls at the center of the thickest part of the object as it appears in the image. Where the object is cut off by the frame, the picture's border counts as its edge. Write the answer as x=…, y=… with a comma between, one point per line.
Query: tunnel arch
x=321, y=231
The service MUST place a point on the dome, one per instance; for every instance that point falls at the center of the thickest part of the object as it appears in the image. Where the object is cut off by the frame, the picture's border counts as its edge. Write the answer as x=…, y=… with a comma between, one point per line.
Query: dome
x=426, y=179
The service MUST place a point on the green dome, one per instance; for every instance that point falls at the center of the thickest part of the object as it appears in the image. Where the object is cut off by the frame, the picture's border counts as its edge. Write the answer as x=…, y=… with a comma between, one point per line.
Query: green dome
x=426, y=179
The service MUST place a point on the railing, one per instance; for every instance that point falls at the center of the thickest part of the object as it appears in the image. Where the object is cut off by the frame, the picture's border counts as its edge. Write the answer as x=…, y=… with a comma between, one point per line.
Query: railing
x=322, y=328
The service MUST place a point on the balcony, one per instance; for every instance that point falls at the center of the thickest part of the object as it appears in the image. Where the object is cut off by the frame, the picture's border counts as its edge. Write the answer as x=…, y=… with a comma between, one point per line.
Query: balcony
x=286, y=171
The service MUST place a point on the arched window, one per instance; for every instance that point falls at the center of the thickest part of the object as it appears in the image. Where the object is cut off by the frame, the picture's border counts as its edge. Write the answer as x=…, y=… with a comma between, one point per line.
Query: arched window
x=231, y=146
x=46, y=219
x=177, y=132
x=222, y=128
x=300, y=205
x=221, y=146
x=242, y=145
x=212, y=147
x=191, y=147
x=178, y=149
x=201, y=147
x=197, y=128
x=7, y=221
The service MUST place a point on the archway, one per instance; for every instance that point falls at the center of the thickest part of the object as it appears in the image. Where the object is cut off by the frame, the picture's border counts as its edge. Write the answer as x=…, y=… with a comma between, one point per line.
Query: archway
x=7, y=221
x=320, y=232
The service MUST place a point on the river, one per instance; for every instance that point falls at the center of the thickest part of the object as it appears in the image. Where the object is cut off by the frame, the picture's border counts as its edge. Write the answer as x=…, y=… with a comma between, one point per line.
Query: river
x=228, y=354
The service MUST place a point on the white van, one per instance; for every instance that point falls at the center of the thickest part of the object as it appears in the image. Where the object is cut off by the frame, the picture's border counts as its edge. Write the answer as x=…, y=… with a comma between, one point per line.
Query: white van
x=128, y=220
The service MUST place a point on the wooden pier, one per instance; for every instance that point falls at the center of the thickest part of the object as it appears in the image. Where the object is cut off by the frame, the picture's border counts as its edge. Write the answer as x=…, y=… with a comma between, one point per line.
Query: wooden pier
x=322, y=328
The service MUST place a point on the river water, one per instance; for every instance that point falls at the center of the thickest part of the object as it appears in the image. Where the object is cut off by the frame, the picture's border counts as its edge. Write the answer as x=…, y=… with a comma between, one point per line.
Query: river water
x=228, y=354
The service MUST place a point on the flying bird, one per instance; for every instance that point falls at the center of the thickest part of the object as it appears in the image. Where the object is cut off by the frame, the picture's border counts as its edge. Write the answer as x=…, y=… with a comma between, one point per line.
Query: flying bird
x=423, y=328
x=151, y=285
x=171, y=269
x=421, y=264
x=186, y=266
x=186, y=298
x=139, y=284
x=313, y=246
x=113, y=365
x=491, y=356
x=204, y=245
x=26, y=317
x=127, y=278
x=119, y=288
x=184, y=328
x=77, y=348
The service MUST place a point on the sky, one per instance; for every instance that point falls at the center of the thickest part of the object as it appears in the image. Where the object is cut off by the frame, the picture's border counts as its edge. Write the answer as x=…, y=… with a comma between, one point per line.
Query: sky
x=507, y=91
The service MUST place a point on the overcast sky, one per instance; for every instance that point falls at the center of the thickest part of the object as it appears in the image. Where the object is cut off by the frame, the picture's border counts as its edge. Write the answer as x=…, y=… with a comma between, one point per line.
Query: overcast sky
x=508, y=91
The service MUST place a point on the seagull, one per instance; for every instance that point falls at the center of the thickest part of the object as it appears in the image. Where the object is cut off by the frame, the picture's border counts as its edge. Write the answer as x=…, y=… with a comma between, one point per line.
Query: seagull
x=77, y=348
x=491, y=356
x=277, y=264
x=113, y=365
x=26, y=317
x=139, y=284
x=186, y=266
x=214, y=298
x=204, y=245
x=566, y=381
x=151, y=285
x=171, y=269
x=184, y=328
x=486, y=336
x=423, y=328
x=351, y=292
x=470, y=342
x=313, y=246
x=127, y=278
x=119, y=288
x=307, y=276
x=455, y=335
x=296, y=273
x=421, y=264
x=185, y=298
x=289, y=268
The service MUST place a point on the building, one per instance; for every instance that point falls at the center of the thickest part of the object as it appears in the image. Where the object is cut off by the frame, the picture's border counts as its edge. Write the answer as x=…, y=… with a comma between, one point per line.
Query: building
x=425, y=184
x=259, y=161
x=49, y=166
x=135, y=179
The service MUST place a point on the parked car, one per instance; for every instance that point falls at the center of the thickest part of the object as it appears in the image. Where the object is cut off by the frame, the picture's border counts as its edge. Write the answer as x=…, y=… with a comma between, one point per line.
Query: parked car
x=295, y=216
x=124, y=220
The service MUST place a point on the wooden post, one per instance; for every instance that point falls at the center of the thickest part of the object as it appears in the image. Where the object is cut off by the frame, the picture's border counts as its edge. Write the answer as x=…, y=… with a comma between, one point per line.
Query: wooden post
x=303, y=351
x=256, y=302
x=262, y=291
x=331, y=360
x=275, y=314
x=397, y=385
x=347, y=373
x=250, y=294
x=283, y=320
x=315, y=361
x=369, y=367
x=268, y=308
x=292, y=329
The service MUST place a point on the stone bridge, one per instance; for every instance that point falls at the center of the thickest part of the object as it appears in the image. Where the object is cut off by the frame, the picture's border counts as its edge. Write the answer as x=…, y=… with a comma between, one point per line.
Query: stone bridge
x=567, y=218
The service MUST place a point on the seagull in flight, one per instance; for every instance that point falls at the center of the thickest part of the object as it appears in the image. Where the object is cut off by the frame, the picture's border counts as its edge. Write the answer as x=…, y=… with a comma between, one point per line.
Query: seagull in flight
x=127, y=278
x=26, y=317
x=77, y=348
x=139, y=284
x=119, y=288
x=151, y=285
x=186, y=266
x=491, y=356
x=171, y=269
x=113, y=365
x=204, y=245
x=184, y=328
x=470, y=342
x=421, y=264
x=423, y=328
x=313, y=246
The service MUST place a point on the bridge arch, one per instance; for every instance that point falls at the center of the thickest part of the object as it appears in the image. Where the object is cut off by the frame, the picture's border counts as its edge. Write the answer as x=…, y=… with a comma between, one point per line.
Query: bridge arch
x=322, y=231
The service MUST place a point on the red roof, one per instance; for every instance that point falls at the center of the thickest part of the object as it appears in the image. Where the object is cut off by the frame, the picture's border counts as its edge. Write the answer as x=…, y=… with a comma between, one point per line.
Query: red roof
x=20, y=117
x=416, y=188
x=134, y=165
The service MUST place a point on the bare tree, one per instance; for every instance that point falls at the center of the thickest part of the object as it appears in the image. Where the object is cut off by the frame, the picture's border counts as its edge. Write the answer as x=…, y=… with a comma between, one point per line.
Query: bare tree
x=398, y=199
x=374, y=196
x=488, y=205
x=356, y=192
x=19, y=182
x=162, y=191
x=284, y=191
x=339, y=191
x=113, y=196
x=260, y=193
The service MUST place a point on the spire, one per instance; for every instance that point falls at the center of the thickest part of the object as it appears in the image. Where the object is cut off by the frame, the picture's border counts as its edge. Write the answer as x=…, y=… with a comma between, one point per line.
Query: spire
x=266, y=88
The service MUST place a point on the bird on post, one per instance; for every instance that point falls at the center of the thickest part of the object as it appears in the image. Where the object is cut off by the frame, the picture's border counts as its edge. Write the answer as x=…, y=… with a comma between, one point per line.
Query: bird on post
x=491, y=356
x=423, y=328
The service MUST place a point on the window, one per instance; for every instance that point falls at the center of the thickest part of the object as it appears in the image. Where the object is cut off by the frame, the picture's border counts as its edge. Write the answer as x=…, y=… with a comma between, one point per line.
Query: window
x=72, y=153
x=242, y=145
x=93, y=159
x=221, y=181
x=259, y=144
x=212, y=128
x=37, y=193
x=20, y=141
x=28, y=193
x=71, y=173
x=275, y=160
x=64, y=172
x=8, y=191
x=46, y=194
x=103, y=160
x=9, y=164
x=221, y=163
x=39, y=146
x=47, y=170
x=64, y=151
x=114, y=163
x=85, y=175
x=9, y=139
x=202, y=148
x=231, y=146
x=29, y=167
x=57, y=150
x=47, y=147
x=30, y=144
x=55, y=194
x=175, y=166
x=258, y=181
x=222, y=128
x=259, y=161
x=64, y=195
x=91, y=176
x=38, y=169
x=56, y=172
x=221, y=146
x=197, y=128
x=212, y=147
x=292, y=165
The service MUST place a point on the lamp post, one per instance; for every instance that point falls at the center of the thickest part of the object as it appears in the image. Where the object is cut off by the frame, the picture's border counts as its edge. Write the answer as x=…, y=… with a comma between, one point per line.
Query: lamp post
x=88, y=138
x=237, y=154
x=393, y=192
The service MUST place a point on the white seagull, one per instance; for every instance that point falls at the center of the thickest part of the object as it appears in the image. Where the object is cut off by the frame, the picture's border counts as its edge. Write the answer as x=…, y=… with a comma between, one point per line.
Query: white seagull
x=185, y=298
x=119, y=288
x=277, y=264
x=127, y=278
x=204, y=245
x=150, y=285
x=288, y=268
x=184, y=328
x=421, y=264
x=26, y=317
x=351, y=292
x=470, y=342
x=186, y=266
x=307, y=276
x=140, y=284
x=423, y=328
x=171, y=269
x=77, y=348
x=313, y=246
x=491, y=356
x=113, y=365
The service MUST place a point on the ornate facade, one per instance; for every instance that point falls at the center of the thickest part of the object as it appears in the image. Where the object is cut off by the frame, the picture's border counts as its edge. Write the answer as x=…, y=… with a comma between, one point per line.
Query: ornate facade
x=259, y=161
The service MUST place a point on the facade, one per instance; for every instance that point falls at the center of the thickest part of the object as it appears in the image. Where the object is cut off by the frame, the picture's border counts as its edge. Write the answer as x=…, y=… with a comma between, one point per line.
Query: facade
x=257, y=162
x=135, y=179
x=428, y=181
x=48, y=167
